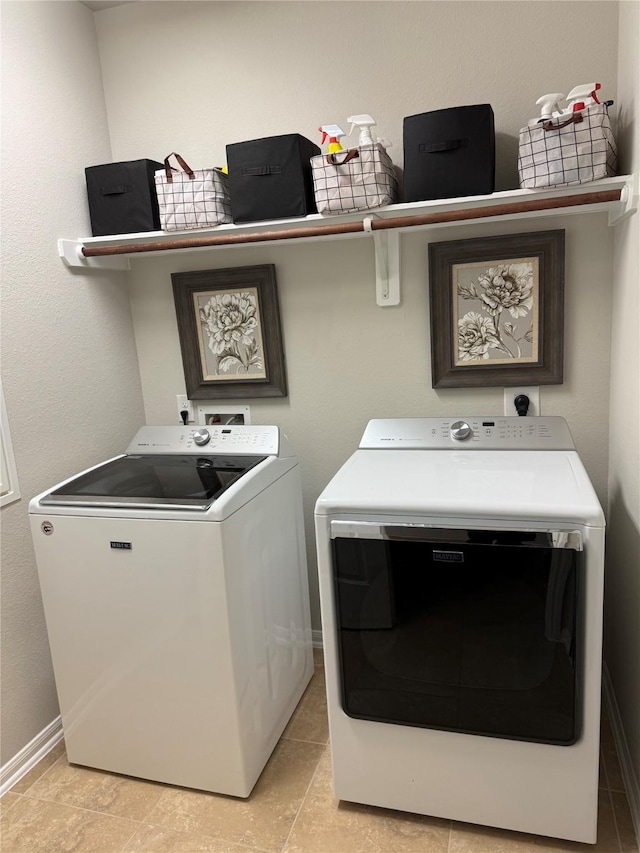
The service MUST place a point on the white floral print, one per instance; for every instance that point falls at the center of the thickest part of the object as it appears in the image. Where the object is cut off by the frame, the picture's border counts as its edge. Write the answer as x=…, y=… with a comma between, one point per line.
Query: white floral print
x=229, y=321
x=502, y=290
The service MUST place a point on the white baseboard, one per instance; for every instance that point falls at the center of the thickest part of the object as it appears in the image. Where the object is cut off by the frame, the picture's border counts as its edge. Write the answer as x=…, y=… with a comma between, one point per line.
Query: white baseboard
x=28, y=757
x=626, y=765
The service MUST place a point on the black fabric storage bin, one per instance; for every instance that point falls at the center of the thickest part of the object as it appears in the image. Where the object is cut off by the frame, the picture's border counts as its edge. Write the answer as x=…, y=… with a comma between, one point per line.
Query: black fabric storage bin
x=122, y=197
x=449, y=153
x=270, y=178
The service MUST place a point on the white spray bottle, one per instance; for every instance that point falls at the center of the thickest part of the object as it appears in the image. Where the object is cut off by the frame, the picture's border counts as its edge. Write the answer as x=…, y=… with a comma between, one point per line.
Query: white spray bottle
x=579, y=96
x=364, y=123
x=549, y=107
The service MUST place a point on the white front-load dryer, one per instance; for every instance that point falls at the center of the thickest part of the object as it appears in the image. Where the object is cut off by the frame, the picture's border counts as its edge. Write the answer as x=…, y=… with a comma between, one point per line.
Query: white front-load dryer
x=175, y=593
x=461, y=583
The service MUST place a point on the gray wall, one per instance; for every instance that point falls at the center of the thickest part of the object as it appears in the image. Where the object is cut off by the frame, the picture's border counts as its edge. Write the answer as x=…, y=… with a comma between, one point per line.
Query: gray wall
x=69, y=368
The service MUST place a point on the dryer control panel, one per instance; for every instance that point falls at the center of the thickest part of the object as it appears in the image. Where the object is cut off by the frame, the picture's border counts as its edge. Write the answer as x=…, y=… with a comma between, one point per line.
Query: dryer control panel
x=468, y=433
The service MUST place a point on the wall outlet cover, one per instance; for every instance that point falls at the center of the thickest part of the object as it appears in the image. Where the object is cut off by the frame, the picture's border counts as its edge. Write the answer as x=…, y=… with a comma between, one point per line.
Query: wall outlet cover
x=532, y=392
x=183, y=402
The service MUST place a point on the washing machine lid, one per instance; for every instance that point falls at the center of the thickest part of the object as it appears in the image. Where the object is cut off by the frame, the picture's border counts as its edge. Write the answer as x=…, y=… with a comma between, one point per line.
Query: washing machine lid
x=154, y=481
x=455, y=480
x=172, y=468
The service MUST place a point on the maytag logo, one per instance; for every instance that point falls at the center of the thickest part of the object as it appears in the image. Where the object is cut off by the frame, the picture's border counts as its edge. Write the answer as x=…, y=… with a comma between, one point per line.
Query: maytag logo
x=448, y=556
x=121, y=546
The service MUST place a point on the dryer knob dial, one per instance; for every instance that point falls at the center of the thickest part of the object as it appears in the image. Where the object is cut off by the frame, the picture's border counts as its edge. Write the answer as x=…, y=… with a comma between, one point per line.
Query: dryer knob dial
x=460, y=430
x=201, y=436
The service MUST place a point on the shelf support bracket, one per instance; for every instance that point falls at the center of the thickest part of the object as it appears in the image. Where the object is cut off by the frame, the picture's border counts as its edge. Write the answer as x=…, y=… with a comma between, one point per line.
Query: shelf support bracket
x=628, y=203
x=387, y=258
x=71, y=253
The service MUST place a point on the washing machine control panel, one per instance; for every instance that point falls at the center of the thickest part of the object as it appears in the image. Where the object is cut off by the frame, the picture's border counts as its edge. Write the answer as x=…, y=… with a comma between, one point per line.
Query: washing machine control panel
x=472, y=433
x=214, y=439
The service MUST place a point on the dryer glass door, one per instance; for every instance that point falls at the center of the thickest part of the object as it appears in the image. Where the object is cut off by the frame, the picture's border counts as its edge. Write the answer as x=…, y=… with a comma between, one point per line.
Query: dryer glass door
x=473, y=631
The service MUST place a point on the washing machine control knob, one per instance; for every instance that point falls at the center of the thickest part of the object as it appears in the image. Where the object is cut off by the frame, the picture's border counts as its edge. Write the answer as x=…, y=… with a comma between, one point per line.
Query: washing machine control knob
x=460, y=430
x=201, y=436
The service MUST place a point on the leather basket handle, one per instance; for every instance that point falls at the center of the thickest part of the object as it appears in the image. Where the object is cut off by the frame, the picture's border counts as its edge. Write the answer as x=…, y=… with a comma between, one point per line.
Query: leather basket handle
x=351, y=154
x=576, y=118
x=181, y=163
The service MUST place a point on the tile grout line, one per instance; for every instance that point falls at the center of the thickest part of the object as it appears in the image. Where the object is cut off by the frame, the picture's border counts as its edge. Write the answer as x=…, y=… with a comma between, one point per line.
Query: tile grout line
x=8, y=808
x=304, y=740
x=449, y=838
x=41, y=776
x=615, y=820
x=241, y=847
x=611, y=791
x=605, y=772
x=83, y=808
x=302, y=801
x=620, y=789
x=236, y=846
x=135, y=829
x=163, y=786
x=80, y=808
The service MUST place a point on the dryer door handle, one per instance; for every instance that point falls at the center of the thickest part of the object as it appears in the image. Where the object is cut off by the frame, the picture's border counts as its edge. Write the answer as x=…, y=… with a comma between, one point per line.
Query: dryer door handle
x=563, y=539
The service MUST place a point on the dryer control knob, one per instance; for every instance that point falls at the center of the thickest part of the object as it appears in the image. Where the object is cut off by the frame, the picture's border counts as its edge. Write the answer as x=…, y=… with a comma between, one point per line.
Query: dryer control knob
x=201, y=436
x=460, y=430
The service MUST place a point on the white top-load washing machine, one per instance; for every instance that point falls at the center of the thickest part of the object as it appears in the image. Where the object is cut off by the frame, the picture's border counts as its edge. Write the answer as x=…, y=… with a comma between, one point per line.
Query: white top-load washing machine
x=175, y=592
x=461, y=584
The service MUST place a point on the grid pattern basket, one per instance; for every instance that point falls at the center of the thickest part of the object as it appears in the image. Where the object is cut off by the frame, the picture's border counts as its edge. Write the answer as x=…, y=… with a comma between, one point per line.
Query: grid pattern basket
x=191, y=199
x=358, y=179
x=557, y=153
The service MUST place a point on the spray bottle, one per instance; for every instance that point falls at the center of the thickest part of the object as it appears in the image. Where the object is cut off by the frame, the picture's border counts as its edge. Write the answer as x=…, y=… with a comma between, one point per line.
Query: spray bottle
x=364, y=123
x=549, y=107
x=579, y=97
x=334, y=132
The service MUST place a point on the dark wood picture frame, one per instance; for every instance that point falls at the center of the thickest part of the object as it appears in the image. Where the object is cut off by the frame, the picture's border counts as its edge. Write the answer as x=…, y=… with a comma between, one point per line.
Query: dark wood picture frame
x=521, y=280
x=230, y=332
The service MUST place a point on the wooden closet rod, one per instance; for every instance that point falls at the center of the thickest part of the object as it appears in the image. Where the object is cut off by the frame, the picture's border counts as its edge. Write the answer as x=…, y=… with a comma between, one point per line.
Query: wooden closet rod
x=227, y=239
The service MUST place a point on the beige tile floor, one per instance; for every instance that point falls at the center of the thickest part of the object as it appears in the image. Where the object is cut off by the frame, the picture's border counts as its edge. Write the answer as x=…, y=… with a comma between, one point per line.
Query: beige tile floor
x=62, y=808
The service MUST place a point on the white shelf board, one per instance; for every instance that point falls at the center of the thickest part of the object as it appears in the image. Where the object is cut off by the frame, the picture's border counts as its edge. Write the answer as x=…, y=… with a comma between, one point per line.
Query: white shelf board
x=385, y=240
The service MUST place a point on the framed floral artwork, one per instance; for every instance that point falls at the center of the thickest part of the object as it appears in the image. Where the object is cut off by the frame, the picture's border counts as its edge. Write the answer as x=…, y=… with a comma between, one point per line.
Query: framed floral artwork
x=497, y=310
x=230, y=333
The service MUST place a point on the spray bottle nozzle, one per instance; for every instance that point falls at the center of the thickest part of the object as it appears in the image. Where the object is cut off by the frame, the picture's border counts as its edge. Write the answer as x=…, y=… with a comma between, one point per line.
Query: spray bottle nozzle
x=578, y=97
x=364, y=122
x=585, y=90
x=548, y=105
x=334, y=132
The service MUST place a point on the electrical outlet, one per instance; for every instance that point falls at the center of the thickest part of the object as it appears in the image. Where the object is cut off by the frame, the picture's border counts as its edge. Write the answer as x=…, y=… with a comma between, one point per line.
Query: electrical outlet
x=184, y=403
x=532, y=392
